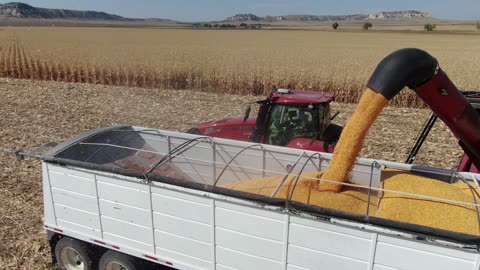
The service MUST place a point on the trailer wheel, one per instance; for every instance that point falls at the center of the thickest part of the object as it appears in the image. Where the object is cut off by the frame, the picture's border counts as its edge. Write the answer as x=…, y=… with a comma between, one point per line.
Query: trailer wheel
x=72, y=254
x=112, y=260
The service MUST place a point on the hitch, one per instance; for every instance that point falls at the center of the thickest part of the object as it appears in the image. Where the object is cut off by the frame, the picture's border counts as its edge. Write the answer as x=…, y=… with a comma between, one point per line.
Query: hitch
x=21, y=155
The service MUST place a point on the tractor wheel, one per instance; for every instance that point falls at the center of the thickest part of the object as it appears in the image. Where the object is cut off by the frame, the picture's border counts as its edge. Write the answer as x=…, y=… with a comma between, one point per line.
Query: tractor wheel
x=113, y=260
x=72, y=254
x=195, y=131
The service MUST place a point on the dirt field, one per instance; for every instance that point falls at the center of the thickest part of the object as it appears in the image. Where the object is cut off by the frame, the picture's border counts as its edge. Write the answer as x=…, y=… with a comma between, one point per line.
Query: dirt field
x=32, y=113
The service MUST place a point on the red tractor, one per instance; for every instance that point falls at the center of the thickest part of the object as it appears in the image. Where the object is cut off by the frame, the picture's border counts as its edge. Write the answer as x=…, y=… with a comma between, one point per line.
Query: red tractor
x=291, y=118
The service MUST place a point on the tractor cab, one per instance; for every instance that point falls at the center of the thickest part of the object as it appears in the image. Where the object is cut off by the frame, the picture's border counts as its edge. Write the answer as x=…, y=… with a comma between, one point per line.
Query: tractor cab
x=291, y=118
x=288, y=122
x=298, y=119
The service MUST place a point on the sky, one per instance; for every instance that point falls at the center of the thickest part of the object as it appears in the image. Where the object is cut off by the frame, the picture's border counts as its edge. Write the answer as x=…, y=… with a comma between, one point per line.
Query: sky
x=210, y=10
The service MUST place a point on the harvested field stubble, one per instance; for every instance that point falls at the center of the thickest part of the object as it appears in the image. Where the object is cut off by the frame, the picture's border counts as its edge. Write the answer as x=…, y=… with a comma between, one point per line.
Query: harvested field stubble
x=33, y=113
x=239, y=62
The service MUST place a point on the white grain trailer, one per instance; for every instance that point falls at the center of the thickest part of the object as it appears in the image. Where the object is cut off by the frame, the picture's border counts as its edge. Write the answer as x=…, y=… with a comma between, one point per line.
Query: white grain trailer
x=127, y=197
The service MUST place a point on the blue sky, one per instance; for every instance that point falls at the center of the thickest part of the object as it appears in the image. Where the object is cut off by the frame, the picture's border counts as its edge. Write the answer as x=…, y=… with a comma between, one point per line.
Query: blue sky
x=204, y=10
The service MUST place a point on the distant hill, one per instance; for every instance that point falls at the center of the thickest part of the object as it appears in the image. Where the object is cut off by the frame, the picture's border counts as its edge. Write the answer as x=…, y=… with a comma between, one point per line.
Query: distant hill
x=21, y=10
x=17, y=13
x=244, y=18
x=388, y=15
x=25, y=11
x=298, y=18
x=400, y=15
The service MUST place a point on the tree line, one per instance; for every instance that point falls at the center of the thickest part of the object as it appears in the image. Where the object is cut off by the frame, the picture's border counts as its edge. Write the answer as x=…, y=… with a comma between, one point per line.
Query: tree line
x=365, y=26
x=426, y=27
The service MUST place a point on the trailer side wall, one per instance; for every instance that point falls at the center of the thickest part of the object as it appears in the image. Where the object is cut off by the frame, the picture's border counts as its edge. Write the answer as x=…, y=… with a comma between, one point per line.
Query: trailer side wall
x=191, y=229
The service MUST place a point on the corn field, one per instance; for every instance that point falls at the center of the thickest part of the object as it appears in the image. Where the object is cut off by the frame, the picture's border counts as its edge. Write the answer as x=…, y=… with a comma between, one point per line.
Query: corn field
x=212, y=62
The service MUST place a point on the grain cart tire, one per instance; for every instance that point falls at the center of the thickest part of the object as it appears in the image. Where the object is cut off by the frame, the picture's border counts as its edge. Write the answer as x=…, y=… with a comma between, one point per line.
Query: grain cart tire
x=112, y=260
x=72, y=254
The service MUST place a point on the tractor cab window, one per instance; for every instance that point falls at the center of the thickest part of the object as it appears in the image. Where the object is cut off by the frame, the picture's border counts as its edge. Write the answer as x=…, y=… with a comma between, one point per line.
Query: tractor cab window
x=289, y=122
x=324, y=116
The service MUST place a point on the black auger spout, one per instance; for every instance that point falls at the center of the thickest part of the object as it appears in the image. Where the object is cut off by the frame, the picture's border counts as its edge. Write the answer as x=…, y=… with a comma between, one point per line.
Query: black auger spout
x=420, y=71
x=406, y=67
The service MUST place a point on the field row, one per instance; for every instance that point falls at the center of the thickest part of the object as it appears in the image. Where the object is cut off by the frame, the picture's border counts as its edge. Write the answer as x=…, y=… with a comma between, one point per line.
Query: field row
x=17, y=62
x=230, y=62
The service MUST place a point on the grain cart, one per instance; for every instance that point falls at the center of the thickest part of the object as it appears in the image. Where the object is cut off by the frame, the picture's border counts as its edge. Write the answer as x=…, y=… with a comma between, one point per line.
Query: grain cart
x=292, y=118
x=121, y=197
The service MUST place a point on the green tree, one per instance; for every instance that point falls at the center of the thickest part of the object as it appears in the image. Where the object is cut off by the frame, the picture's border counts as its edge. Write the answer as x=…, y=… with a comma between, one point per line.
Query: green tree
x=335, y=25
x=429, y=27
x=367, y=26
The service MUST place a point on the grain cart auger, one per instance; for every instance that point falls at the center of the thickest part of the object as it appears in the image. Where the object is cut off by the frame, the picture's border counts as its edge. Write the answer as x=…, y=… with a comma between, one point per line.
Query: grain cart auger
x=419, y=71
x=465, y=165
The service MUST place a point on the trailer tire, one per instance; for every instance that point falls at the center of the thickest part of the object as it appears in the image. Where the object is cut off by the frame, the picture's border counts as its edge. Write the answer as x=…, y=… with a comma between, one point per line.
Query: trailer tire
x=72, y=254
x=116, y=260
